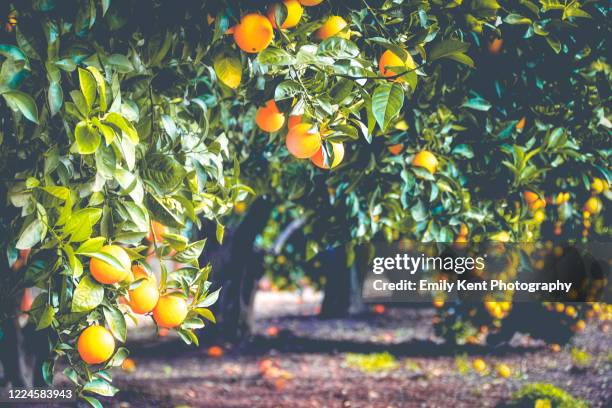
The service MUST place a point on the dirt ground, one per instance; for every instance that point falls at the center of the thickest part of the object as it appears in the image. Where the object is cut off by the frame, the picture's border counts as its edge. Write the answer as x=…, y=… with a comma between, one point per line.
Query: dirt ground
x=305, y=365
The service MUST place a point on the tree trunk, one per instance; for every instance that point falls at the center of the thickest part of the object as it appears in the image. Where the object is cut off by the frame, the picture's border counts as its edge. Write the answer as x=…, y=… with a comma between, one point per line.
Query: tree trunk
x=237, y=268
x=12, y=350
x=337, y=291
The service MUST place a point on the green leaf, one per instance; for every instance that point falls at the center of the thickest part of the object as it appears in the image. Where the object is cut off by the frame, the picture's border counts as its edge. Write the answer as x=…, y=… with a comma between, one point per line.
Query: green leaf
x=205, y=313
x=477, y=103
x=87, y=138
x=121, y=63
x=31, y=235
x=80, y=224
x=446, y=48
x=116, y=323
x=220, y=232
x=91, y=245
x=210, y=299
x=122, y=124
x=22, y=102
x=46, y=318
x=387, y=101
x=118, y=357
x=191, y=253
x=87, y=295
x=275, y=56
x=228, y=69
x=516, y=19
x=94, y=402
x=101, y=86
x=58, y=191
x=163, y=172
x=88, y=87
x=338, y=48
x=100, y=387
x=55, y=97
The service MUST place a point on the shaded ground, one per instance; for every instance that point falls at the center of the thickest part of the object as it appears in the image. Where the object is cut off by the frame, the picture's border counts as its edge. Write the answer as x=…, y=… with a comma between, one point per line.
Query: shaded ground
x=305, y=365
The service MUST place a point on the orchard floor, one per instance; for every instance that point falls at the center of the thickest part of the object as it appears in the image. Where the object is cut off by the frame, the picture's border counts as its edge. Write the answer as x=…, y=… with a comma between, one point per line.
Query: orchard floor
x=305, y=365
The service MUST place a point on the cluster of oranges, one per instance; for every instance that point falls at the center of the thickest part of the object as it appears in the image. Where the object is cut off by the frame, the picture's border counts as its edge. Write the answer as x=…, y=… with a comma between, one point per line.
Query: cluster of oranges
x=304, y=140
x=569, y=310
x=96, y=343
x=255, y=32
x=481, y=367
x=498, y=309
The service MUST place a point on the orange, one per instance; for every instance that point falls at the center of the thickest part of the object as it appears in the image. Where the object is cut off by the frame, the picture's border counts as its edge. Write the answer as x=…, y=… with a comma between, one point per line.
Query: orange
x=318, y=160
x=395, y=149
x=170, y=311
x=580, y=325
x=495, y=46
x=379, y=309
x=145, y=296
x=389, y=63
x=463, y=230
x=504, y=371
x=438, y=303
x=95, y=344
x=479, y=365
x=105, y=273
x=334, y=26
x=599, y=185
x=533, y=200
x=303, y=142
x=128, y=365
x=593, y=205
x=294, y=13
x=309, y=3
x=268, y=117
x=272, y=331
x=294, y=120
x=254, y=33
x=521, y=124
x=156, y=232
x=215, y=351
x=427, y=160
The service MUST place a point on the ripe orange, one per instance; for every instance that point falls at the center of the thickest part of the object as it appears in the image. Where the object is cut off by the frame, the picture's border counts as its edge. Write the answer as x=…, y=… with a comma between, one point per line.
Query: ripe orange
x=318, y=160
x=427, y=160
x=105, y=273
x=504, y=371
x=495, y=46
x=269, y=118
x=593, y=205
x=95, y=344
x=144, y=298
x=156, y=232
x=170, y=311
x=599, y=185
x=272, y=331
x=379, y=309
x=294, y=120
x=479, y=365
x=294, y=13
x=438, y=303
x=254, y=33
x=395, y=149
x=303, y=142
x=26, y=300
x=580, y=325
x=215, y=351
x=463, y=230
x=533, y=200
x=520, y=124
x=334, y=26
x=309, y=3
x=389, y=61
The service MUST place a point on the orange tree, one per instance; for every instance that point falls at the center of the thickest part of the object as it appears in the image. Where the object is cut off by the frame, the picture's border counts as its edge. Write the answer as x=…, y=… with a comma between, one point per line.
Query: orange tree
x=519, y=150
x=116, y=123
